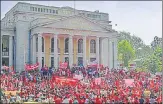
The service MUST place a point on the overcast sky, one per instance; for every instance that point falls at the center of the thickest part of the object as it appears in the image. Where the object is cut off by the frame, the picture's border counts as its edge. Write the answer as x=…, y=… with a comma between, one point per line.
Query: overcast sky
x=141, y=18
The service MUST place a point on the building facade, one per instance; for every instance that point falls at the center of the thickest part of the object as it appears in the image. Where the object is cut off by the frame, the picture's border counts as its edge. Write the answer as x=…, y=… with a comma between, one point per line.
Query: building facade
x=35, y=33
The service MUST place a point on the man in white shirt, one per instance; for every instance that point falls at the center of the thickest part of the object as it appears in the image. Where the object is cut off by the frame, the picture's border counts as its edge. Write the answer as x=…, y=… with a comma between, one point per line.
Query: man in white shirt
x=66, y=100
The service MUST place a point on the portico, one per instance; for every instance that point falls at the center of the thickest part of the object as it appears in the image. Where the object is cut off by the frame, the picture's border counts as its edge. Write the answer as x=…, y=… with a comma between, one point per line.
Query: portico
x=79, y=40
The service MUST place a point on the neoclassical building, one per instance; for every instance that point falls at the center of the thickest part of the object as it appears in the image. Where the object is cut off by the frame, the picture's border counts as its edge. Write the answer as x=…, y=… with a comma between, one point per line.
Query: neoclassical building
x=35, y=33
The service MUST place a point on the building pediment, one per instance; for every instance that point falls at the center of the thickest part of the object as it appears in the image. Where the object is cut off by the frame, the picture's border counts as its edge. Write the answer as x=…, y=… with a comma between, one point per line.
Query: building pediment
x=77, y=23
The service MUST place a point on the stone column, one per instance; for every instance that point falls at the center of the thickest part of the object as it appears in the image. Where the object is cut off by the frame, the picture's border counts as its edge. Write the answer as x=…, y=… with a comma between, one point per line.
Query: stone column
x=110, y=54
x=70, y=51
x=115, y=53
x=104, y=52
x=84, y=51
x=34, y=49
x=39, y=50
x=55, y=51
x=97, y=50
x=11, y=51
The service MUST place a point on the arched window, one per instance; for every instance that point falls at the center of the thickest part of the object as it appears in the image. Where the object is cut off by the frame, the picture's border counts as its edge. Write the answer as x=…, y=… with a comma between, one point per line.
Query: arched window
x=36, y=44
x=58, y=46
x=92, y=46
x=42, y=44
x=66, y=45
x=43, y=62
x=52, y=45
x=80, y=46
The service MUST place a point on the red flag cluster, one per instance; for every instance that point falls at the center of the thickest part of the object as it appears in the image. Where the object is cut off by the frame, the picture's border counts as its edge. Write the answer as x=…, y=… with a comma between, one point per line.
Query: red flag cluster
x=95, y=65
x=66, y=81
x=31, y=67
x=63, y=65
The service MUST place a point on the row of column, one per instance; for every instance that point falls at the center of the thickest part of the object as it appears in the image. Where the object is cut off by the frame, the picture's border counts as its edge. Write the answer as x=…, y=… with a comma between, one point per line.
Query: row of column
x=110, y=52
x=104, y=46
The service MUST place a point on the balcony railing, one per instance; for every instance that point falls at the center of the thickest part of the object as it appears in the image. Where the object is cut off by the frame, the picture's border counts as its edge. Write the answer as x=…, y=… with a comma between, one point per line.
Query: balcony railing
x=5, y=53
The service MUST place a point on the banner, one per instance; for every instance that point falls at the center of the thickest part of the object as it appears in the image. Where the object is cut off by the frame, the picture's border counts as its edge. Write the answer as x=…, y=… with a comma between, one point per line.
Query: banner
x=66, y=81
x=5, y=67
x=129, y=82
x=31, y=67
x=63, y=65
x=79, y=77
x=97, y=81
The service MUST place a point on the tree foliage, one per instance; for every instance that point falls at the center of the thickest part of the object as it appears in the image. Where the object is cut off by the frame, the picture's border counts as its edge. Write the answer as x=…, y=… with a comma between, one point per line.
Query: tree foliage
x=153, y=63
x=125, y=52
x=149, y=59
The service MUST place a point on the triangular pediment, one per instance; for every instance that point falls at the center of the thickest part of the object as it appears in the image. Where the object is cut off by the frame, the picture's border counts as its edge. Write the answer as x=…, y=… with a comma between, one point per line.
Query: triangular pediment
x=78, y=23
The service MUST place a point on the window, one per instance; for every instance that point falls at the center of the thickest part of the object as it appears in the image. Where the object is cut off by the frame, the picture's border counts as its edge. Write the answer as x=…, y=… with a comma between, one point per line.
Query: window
x=38, y=9
x=52, y=45
x=52, y=61
x=42, y=44
x=53, y=11
x=58, y=46
x=44, y=10
x=42, y=61
x=37, y=44
x=113, y=52
x=31, y=8
x=50, y=10
x=66, y=45
x=36, y=59
x=80, y=46
x=80, y=61
x=56, y=11
x=92, y=46
x=67, y=59
x=41, y=10
x=47, y=10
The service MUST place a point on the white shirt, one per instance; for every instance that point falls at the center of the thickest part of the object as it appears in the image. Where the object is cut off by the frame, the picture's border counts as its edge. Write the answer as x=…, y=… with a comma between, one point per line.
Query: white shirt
x=66, y=101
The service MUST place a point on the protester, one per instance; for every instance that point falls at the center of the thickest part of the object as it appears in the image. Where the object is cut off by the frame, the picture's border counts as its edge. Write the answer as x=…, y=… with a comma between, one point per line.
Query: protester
x=81, y=85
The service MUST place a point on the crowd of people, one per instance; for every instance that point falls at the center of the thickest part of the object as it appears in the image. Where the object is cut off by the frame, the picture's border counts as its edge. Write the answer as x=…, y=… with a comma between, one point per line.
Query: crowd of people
x=42, y=86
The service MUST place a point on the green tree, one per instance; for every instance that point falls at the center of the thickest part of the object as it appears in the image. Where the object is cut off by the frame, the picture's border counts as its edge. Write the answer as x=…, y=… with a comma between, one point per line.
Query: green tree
x=125, y=52
x=153, y=63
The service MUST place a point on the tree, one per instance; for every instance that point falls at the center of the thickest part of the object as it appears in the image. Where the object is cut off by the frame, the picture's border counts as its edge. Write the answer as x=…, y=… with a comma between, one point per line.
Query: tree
x=153, y=63
x=125, y=52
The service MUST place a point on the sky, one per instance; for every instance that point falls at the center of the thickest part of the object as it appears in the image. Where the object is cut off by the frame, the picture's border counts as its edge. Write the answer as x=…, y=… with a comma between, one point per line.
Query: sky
x=141, y=18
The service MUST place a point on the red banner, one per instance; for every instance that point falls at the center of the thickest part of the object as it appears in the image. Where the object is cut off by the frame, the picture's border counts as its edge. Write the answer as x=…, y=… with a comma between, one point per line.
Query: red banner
x=63, y=64
x=66, y=81
x=31, y=67
x=96, y=65
x=5, y=67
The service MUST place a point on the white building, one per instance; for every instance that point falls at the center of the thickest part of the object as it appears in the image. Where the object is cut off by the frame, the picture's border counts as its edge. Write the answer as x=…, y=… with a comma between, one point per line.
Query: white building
x=33, y=33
